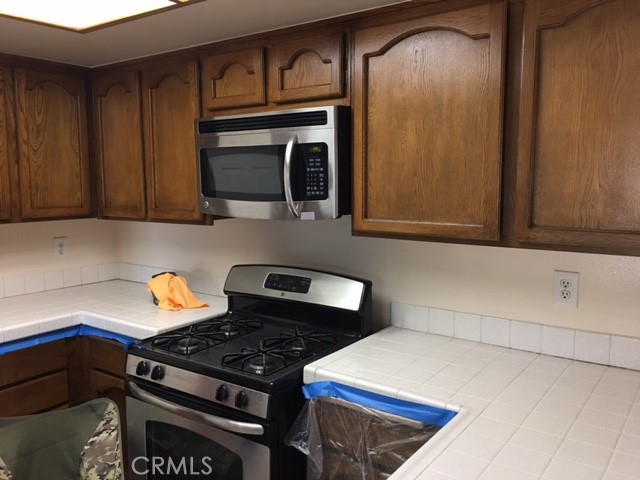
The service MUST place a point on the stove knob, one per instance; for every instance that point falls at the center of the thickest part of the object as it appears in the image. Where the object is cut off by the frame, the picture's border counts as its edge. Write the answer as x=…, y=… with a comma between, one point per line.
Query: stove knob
x=242, y=399
x=157, y=373
x=142, y=369
x=222, y=393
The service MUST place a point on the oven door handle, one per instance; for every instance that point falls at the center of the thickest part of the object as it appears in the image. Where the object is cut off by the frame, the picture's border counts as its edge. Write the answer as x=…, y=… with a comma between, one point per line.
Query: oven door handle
x=212, y=420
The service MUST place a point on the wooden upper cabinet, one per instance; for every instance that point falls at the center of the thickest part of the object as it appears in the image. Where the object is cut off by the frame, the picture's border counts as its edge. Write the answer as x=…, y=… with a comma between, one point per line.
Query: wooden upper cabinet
x=119, y=146
x=235, y=79
x=427, y=107
x=170, y=107
x=5, y=156
x=52, y=144
x=307, y=68
x=578, y=172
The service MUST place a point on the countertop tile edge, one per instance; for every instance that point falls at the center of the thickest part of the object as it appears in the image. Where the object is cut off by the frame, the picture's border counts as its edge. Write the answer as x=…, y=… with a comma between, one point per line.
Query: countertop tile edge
x=25, y=327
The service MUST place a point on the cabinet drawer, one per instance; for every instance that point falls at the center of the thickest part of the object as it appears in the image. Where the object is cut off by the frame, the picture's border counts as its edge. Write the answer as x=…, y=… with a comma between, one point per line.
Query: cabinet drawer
x=32, y=362
x=41, y=394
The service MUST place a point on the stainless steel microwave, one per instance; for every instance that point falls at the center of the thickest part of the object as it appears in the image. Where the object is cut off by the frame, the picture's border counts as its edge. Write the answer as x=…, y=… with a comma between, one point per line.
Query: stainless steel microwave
x=288, y=164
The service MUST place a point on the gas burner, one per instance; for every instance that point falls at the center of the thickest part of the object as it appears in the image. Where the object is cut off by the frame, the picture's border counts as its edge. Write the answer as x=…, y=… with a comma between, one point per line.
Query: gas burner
x=262, y=361
x=262, y=364
x=306, y=343
x=187, y=343
x=190, y=344
x=232, y=325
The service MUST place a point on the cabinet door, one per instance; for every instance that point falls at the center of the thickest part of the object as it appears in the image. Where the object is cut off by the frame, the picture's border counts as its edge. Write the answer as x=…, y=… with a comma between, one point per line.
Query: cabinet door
x=428, y=97
x=170, y=108
x=119, y=149
x=233, y=80
x=53, y=145
x=578, y=148
x=5, y=159
x=307, y=68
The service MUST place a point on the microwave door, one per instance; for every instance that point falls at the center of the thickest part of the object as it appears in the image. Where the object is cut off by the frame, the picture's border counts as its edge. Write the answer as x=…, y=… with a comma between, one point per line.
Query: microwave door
x=244, y=181
x=269, y=175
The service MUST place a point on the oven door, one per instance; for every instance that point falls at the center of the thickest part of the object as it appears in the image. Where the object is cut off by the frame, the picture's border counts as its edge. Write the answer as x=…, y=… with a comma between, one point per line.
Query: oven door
x=170, y=439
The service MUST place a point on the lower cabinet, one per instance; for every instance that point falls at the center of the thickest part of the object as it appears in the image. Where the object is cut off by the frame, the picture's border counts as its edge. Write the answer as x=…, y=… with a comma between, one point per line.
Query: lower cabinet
x=34, y=380
x=63, y=374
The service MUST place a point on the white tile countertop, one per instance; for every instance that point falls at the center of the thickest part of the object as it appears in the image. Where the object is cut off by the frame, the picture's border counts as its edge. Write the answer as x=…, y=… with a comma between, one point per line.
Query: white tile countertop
x=118, y=306
x=523, y=415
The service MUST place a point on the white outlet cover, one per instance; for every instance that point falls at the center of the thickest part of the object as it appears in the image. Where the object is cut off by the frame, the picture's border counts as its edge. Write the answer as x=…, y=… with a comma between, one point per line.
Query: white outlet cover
x=563, y=293
x=60, y=247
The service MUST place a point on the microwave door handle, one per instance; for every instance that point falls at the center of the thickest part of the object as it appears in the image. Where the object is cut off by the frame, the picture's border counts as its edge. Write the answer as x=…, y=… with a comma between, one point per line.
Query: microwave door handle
x=212, y=420
x=288, y=155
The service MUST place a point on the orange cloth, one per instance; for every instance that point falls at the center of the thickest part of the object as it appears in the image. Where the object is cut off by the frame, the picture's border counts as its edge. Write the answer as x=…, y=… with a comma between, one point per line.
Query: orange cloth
x=173, y=293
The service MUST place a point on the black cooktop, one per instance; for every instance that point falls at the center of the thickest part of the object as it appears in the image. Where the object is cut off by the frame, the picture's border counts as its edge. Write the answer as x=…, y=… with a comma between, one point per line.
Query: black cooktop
x=279, y=319
x=242, y=349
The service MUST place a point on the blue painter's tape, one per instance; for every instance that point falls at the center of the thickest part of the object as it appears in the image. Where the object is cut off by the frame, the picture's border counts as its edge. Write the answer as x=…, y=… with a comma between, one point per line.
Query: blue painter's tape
x=422, y=413
x=76, y=331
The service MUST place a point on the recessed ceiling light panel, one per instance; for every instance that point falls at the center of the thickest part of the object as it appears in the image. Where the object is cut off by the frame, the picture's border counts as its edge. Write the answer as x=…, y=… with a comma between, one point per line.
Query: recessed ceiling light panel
x=83, y=15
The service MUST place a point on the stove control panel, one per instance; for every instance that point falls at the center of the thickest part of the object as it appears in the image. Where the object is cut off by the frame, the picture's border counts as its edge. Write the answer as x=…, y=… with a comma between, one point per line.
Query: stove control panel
x=321, y=289
x=287, y=283
x=211, y=389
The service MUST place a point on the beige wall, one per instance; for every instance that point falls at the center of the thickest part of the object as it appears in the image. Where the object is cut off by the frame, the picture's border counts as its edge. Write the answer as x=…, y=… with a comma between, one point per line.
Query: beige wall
x=507, y=283
x=28, y=247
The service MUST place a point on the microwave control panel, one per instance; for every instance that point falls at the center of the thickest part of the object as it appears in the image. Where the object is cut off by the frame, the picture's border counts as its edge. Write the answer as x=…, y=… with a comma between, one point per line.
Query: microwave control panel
x=316, y=171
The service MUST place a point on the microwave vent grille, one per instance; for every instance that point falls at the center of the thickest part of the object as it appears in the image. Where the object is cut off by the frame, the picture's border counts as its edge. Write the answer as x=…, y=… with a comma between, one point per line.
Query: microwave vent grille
x=264, y=122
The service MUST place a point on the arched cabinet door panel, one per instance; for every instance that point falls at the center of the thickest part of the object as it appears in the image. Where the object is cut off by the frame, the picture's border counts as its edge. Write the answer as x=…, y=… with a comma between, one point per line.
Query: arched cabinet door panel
x=119, y=146
x=235, y=79
x=428, y=109
x=307, y=68
x=578, y=146
x=53, y=144
x=170, y=107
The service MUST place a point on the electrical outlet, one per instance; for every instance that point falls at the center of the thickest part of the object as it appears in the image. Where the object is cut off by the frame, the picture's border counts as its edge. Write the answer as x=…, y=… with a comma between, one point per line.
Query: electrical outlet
x=565, y=288
x=60, y=247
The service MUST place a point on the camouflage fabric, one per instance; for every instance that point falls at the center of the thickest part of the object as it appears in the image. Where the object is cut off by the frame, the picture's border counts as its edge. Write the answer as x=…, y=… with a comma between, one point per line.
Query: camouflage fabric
x=77, y=443
x=101, y=458
x=5, y=474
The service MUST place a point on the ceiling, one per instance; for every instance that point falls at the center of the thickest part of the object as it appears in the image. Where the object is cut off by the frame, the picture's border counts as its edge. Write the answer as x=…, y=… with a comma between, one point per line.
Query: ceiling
x=197, y=24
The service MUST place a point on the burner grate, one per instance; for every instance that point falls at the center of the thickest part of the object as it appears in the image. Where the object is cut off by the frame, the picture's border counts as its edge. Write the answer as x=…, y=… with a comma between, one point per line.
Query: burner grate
x=232, y=325
x=206, y=334
x=188, y=343
x=307, y=342
x=276, y=353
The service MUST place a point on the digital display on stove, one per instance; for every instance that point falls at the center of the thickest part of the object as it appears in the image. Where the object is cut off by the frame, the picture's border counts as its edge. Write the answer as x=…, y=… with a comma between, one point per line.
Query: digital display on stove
x=287, y=283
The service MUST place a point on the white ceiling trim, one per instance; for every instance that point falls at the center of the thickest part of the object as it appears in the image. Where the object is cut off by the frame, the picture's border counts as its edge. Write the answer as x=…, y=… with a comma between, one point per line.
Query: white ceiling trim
x=198, y=24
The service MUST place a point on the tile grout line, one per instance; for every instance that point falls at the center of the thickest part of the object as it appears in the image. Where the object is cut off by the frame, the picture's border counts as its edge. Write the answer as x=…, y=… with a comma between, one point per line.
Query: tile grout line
x=397, y=312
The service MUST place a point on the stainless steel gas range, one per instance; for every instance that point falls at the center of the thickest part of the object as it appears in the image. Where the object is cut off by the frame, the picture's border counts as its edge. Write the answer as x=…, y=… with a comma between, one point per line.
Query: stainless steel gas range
x=214, y=400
